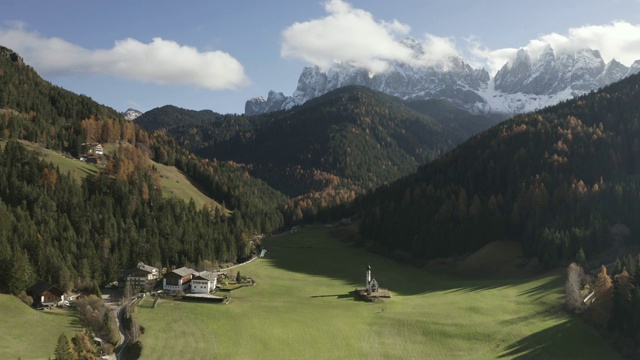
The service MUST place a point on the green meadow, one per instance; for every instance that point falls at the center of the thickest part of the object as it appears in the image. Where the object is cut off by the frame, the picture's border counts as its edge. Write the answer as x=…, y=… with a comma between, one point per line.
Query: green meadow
x=302, y=307
x=32, y=334
x=65, y=164
x=176, y=184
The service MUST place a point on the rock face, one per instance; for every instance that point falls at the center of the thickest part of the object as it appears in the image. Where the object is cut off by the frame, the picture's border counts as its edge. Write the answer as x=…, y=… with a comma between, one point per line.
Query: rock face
x=11, y=55
x=523, y=85
x=258, y=105
x=131, y=114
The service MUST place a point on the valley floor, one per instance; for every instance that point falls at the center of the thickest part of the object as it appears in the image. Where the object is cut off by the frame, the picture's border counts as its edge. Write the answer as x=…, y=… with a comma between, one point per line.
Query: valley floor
x=303, y=308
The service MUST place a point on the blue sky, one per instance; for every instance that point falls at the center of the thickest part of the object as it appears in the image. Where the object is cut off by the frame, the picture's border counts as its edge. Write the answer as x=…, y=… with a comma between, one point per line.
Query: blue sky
x=217, y=54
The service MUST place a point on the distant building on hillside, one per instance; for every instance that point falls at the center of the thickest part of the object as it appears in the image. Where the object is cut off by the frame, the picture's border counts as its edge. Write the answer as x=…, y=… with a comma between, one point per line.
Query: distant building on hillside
x=97, y=149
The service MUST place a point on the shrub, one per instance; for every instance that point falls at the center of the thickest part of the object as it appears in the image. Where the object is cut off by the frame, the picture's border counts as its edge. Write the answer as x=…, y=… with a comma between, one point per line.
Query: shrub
x=25, y=298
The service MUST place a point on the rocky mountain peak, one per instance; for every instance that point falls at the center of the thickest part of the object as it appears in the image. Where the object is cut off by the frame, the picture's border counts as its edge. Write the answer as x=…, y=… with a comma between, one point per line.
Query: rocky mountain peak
x=131, y=114
x=523, y=84
x=414, y=45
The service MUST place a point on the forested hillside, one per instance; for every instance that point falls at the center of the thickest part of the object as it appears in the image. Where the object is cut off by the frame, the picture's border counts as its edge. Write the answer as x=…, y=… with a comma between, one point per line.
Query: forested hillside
x=327, y=151
x=558, y=180
x=74, y=232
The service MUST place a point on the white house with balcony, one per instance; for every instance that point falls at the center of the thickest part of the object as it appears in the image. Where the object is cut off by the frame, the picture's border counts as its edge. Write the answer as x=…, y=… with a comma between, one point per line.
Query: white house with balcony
x=204, y=283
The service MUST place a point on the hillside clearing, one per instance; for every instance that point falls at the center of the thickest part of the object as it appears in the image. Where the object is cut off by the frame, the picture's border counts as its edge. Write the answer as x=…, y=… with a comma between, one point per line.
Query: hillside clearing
x=65, y=164
x=302, y=307
x=173, y=182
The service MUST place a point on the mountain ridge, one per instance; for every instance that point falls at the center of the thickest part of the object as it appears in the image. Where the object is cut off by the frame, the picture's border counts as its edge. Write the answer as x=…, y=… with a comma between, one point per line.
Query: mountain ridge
x=521, y=85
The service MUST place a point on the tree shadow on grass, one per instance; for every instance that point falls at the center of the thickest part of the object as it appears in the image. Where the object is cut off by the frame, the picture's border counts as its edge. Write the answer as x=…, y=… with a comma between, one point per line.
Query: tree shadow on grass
x=551, y=286
x=542, y=315
x=315, y=252
x=562, y=341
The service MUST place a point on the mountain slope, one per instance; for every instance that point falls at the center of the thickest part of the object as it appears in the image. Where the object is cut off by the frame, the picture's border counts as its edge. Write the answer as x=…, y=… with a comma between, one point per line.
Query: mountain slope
x=558, y=180
x=523, y=85
x=351, y=138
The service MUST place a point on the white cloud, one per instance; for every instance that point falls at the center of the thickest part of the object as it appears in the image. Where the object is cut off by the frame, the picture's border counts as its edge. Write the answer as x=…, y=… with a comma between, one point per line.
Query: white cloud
x=160, y=61
x=353, y=36
x=619, y=40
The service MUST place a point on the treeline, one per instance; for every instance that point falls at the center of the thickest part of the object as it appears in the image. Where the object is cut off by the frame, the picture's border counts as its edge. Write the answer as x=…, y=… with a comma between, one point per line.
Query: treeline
x=558, y=180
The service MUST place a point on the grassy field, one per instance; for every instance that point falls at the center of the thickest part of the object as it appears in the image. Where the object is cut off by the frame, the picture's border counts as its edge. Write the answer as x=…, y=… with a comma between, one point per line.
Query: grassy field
x=175, y=183
x=29, y=333
x=302, y=308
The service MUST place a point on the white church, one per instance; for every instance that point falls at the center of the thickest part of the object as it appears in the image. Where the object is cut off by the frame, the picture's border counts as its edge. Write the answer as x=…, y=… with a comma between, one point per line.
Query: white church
x=371, y=283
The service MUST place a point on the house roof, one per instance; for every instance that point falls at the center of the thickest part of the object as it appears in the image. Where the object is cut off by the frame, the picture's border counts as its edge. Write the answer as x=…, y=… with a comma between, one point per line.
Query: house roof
x=206, y=275
x=147, y=268
x=42, y=286
x=184, y=271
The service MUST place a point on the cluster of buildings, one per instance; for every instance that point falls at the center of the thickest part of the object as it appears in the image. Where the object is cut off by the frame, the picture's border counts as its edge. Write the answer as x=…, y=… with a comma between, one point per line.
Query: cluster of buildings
x=145, y=278
x=142, y=278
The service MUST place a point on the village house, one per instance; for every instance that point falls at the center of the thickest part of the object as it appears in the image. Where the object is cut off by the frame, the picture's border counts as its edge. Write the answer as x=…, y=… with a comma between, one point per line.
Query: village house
x=45, y=294
x=143, y=278
x=178, y=279
x=204, y=282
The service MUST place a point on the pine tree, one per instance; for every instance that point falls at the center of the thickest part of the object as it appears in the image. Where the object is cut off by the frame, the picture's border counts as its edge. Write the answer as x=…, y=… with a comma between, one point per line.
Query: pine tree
x=581, y=260
x=603, y=294
x=621, y=312
x=65, y=349
x=21, y=274
x=84, y=346
x=96, y=290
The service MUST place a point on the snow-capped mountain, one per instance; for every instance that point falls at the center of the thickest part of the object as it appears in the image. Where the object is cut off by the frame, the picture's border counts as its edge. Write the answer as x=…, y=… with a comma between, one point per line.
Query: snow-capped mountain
x=131, y=114
x=522, y=85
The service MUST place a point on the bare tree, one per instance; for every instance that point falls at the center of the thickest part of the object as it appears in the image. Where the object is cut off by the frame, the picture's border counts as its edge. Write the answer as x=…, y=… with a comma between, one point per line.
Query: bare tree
x=575, y=277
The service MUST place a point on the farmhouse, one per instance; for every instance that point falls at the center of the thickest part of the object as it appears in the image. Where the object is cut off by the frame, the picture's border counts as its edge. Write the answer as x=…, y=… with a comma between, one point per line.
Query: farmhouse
x=97, y=149
x=143, y=278
x=45, y=294
x=178, y=279
x=204, y=282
